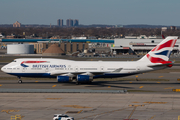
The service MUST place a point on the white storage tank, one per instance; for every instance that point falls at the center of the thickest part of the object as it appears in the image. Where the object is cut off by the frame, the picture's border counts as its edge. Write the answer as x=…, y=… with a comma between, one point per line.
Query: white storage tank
x=20, y=49
x=85, y=51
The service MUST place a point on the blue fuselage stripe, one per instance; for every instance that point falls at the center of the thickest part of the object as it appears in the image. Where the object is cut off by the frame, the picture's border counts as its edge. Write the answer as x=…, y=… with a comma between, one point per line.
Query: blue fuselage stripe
x=110, y=75
x=43, y=75
x=47, y=75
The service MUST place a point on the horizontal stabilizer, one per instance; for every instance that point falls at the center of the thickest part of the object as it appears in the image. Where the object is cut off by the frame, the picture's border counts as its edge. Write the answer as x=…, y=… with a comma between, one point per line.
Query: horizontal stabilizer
x=167, y=63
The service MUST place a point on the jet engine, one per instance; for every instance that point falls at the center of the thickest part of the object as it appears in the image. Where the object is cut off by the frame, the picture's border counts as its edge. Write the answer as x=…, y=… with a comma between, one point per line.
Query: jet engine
x=64, y=79
x=84, y=78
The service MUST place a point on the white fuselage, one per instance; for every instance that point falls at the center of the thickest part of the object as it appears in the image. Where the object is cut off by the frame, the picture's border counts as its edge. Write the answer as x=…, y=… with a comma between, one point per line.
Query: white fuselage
x=53, y=67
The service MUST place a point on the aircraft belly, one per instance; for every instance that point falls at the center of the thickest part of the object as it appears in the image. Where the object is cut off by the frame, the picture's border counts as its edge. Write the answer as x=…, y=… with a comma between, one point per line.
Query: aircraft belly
x=45, y=75
x=113, y=75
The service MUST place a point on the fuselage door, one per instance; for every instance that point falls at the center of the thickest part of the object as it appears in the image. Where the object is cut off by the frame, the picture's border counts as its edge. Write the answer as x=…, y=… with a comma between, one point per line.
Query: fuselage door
x=24, y=69
x=101, y=68
x=46, y=69
x=138, y=68
x=76, y=68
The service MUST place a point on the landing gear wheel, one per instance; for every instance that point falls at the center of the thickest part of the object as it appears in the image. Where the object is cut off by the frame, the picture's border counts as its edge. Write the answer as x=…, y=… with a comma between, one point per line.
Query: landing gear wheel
x=77, y=83
x=90, y=82
x=20, y=81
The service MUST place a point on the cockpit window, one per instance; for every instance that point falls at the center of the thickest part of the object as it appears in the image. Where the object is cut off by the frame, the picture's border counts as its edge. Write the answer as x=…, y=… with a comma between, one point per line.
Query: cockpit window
x=14, y=61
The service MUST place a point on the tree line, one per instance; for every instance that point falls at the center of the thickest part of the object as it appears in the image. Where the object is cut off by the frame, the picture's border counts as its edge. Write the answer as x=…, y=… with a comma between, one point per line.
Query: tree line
x=88, y=32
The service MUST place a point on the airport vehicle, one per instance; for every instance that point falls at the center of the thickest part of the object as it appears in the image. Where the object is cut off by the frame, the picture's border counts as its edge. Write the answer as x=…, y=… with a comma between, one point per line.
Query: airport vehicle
x=86, y=71
x=62, y=117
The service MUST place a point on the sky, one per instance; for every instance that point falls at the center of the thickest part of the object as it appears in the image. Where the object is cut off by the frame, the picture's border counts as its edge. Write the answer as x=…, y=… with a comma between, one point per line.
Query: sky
x=111, y=12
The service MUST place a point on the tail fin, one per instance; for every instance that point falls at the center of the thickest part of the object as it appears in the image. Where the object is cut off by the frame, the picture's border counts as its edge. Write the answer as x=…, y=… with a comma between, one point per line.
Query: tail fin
x=162, y=52
x=163, y=37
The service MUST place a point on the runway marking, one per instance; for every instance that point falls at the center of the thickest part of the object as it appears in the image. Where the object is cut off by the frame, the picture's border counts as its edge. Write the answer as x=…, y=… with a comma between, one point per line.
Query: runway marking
x=16, y=117
x=72, y=112
x=7, y=111
x=76, y=106
x=80, y=111
x=53, y=98
x=101, y=113
x=161, y=76
x=141, y=86
x=158, y=82
x=151, y=117
x=176, y=90
x=169, y=88
x=132, y=112
x=156, y=102
x=36, y=81
x=54, y=86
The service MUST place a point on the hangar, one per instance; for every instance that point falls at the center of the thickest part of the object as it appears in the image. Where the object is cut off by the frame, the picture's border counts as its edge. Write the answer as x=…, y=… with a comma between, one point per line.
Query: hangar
x=138, y=46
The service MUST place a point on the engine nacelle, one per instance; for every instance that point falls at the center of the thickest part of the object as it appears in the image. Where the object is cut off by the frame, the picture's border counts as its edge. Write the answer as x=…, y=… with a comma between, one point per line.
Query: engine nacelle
x=84, y=78
x=64, y=79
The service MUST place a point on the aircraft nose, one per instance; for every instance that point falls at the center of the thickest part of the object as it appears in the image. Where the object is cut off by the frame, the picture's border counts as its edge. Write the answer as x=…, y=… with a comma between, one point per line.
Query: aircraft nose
x=2, y=69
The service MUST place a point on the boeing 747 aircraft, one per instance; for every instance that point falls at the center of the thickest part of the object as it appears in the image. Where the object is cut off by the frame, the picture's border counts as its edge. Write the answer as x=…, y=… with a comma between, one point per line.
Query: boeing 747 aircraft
x=86, y=71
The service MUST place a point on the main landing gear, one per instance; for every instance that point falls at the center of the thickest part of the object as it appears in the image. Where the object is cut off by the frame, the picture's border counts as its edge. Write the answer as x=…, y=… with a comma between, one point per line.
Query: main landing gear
x=19, y=81
x=77, y=83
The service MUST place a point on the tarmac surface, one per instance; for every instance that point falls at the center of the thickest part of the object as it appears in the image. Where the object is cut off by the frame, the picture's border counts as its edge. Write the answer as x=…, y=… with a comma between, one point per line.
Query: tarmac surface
x=90, y=106
x=149, y=96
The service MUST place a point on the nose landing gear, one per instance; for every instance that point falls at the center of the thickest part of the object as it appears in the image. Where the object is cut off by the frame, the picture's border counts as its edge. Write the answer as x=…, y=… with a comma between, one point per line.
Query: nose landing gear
x=19, y=81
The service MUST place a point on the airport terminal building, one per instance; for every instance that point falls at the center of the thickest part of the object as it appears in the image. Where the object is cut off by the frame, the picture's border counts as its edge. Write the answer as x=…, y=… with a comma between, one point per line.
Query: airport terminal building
x=120, y=46
x=138, y=46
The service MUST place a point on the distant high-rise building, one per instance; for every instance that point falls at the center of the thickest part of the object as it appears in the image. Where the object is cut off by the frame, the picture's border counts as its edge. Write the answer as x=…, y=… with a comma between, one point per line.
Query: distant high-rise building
x=76, y=22
x=60, y=22
x=16, y=24
x=69, y=22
